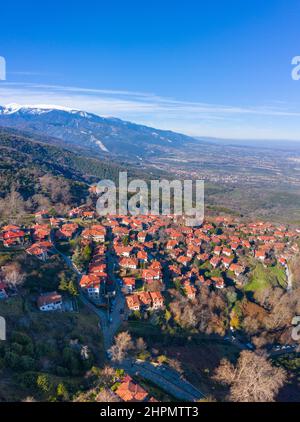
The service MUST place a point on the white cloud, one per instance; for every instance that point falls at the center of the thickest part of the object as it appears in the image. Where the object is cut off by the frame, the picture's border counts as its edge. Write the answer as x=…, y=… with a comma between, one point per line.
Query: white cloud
x=272, y=121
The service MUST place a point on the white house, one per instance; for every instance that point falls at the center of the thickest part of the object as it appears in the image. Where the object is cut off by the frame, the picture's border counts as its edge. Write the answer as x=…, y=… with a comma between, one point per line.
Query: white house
x=50, y=302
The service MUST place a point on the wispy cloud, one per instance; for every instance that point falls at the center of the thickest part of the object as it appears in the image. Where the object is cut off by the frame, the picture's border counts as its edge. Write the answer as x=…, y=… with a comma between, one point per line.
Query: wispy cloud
x=278, y=120
x=31, y=73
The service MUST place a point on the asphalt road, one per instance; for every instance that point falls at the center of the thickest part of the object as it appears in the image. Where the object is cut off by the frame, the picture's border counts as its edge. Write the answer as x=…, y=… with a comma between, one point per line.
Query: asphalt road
x=166, y=378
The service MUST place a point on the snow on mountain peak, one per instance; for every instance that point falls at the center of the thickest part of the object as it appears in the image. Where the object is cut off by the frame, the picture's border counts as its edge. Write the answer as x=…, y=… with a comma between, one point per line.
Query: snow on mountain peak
x=39, y=109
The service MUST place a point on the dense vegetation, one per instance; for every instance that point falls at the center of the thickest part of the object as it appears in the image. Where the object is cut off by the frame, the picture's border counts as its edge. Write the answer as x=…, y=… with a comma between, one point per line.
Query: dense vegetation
x=34, y=175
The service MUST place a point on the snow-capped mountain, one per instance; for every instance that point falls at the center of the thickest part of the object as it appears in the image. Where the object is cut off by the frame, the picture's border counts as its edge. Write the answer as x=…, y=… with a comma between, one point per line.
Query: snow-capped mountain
x=95, y=134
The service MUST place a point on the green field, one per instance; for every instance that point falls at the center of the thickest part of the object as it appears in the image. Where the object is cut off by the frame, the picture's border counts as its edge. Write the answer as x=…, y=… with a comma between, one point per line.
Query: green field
x=263, y=277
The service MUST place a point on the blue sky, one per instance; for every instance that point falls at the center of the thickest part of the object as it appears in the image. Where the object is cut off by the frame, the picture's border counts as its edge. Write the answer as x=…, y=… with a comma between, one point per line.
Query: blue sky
x=209, y=68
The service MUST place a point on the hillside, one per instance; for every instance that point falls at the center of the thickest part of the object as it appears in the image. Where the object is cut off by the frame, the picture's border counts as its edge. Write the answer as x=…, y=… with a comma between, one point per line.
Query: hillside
x=45, y=174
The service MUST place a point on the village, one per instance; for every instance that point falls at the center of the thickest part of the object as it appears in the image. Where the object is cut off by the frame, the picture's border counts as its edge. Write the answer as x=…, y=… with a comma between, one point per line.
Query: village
x=127, y=266
x=150, y=254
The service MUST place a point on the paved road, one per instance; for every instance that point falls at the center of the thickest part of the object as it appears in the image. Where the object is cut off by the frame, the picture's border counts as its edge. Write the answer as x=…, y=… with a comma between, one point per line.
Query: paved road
x=166, y=378
x=295, y=348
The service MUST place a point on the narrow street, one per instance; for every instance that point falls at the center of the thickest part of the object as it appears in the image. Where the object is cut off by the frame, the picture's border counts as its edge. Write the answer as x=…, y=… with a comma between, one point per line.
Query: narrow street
x=109, y=322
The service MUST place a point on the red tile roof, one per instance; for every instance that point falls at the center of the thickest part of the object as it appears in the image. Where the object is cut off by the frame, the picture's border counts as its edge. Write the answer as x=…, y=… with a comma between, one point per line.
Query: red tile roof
x=129, y=391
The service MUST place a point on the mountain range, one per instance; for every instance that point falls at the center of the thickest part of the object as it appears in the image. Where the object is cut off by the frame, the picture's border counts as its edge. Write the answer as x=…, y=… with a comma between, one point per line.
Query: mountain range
x=93, y=134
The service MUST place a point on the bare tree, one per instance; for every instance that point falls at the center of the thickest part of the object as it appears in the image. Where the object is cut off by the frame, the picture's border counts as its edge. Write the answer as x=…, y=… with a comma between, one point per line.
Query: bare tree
x=13, y=274
x=123, y=344
x=107, y=396
x=175, y=364
x=141, y=345
x=208, y=313
x=107, y=376
x=154, y=286
x=29, y=399
x=253, y=379
x=12, y=208
x=57, y=188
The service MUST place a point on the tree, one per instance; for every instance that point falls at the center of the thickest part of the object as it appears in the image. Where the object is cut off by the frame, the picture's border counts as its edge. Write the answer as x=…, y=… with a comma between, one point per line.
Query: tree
x=43, y=383
x=29, y=399
x=208, y=313
x=57, y=188
x=12, y=207
x=252, y=379
x=13, y=274
x=175, y=364
x=62, y=392
x=106, y=396
x=68, y=285
x=107, y=376
x=154, y=286
x=141, y=345
x=82, y=257
x=123, y=344
x=63, y=284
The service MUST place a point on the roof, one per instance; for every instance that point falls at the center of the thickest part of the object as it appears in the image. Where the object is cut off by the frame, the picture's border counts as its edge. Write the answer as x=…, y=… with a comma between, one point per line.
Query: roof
x=144, y=297
x=190, y=290
x=13, y=234
x=236, y=268
x=90, y=280
x=130, y=391
x=156, y=297
x=49, y=298
x=128, y=262
x=150, y=273
x=11, y=227
x=39, y=248
x=129, y=281
x=132, y=301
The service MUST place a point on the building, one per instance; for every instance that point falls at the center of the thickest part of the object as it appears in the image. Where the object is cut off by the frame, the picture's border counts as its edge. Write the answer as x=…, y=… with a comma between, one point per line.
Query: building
x=13, y=237
x=133, y=302
x=42, y=214
x=142, y=256
x=190, y=291
x=50, y=302
x=96, y=233
x=129, y=263
x=145, y=299
x=128, y=284
x=40, y=250
x=157, y=300
x=237, y=269
x=150, y=274
x=129, y=391
x=260, y=254
x=91, y=284
x=218, y=282
x=142, y=237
